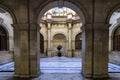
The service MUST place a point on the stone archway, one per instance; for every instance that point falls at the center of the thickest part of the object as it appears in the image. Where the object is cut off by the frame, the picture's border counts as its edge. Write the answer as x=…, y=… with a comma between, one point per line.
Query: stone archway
x=6, y=37
x=79, y=10
x=3, y=39
x=78, y=45
x=116, y=39
x=78, y=41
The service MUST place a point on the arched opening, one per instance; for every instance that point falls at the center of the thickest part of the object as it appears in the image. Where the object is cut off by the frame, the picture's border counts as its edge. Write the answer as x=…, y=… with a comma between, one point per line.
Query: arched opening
x=59, y=39
x=78, y=45
x=3, y=39
x=116, y=40
x=78, y=41
x=54, y=19
x=41, y=44
x=6, y=41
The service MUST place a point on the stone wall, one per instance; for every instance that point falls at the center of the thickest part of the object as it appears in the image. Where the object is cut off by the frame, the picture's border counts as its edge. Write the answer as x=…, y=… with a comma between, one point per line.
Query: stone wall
x=5, y=57
x=114, y=57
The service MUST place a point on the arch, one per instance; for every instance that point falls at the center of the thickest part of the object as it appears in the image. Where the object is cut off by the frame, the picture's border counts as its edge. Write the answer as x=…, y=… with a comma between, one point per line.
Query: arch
x=61, y=36
x=41, y=43
x=79, y=10
x=10, y=12
x=116, y=39
x=10, y=36
x=43, y=34
x=59, y=32
x=76, y=34
x=8, y=28
x=78, y=41
x=59, y=39
x=113, y=28
x=111, y=11
x=3, y=39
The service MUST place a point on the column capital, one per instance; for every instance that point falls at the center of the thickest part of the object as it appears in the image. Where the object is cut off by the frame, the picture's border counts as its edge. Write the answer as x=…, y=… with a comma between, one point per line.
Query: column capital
x=100, y=26
x=26, y=26
x=49, y=26
x=69, y=25
x=21, y=26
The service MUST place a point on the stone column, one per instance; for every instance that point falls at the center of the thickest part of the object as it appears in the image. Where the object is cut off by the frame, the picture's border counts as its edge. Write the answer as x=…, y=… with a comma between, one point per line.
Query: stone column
x=110, y=43
x=73, y=47
x=21, y=50
x=11, y=43
x=16, y=50
x=69, y=39
x=34, y=50
x=49, y=39
x=26, y=50
x=87, y=49
x=45, y=46
x=100, y=54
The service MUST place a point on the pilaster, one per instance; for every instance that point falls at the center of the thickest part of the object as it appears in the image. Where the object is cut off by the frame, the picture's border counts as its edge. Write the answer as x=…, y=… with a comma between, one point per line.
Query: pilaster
x=87, y=49
x=69, y=39
x=49, y=52
x=100, y=54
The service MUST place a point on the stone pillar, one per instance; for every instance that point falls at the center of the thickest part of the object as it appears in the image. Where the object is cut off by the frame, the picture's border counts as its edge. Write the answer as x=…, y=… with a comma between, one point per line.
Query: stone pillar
x=16, y=50
x=73, y=47
x=26, y=50
x=100, y=54
x=34, y=50
x=110, y=43
x=69, y=39
x=87, y=49
x=45, y=46
x=21, y=50
x=49, y=39
x=11, y=44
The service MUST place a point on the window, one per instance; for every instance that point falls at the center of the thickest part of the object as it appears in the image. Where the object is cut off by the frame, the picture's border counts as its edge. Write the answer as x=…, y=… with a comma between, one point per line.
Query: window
x=41, y=43
x=3, y=39
x=116, y=40
x=78, y=41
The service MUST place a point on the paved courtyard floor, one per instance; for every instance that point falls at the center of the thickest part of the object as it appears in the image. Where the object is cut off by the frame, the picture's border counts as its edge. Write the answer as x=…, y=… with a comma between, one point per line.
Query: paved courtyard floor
x=60, y=65
x=56, y=76
x=58, y=68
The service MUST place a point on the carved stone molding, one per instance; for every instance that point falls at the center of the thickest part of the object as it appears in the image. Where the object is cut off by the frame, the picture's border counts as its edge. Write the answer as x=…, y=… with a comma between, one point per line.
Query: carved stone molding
x=1, y=20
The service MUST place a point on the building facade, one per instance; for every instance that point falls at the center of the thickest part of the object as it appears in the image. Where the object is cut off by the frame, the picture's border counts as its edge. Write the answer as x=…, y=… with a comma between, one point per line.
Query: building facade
x=26, y=23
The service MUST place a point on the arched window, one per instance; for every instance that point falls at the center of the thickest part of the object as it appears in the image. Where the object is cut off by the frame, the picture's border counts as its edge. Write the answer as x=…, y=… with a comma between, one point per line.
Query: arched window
x=41, y=43
x=3, y=39
x=116, y=40
x=78, y=41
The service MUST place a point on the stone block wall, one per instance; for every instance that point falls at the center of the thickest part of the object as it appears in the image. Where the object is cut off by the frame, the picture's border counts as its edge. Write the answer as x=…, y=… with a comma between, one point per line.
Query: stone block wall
x=114, y=57
x=5, y=57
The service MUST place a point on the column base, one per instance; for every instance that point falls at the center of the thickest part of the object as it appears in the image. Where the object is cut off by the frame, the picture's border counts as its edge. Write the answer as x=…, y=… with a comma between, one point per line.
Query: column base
x=49, y=53
x=21, y=76
x=70, y=53
x=101, y=76
x=95, y=76
x=26, y=76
